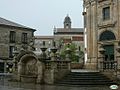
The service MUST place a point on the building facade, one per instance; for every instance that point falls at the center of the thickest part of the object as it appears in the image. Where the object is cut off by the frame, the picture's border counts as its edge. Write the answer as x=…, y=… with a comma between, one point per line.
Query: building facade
x=48, y=41
x=68, y=34
x=102, y=28
x=12, y=35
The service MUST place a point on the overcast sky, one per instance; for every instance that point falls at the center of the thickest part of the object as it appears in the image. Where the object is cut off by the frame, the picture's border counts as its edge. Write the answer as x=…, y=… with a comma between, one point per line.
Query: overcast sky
x=42, y=15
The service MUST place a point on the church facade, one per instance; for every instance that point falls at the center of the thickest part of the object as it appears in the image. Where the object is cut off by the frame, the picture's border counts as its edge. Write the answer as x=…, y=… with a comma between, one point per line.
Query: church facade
x=68, y=34
x=102, y=29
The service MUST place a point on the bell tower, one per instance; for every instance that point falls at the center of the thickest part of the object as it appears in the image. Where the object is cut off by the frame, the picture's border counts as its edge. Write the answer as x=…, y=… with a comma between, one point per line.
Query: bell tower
x=67, y=22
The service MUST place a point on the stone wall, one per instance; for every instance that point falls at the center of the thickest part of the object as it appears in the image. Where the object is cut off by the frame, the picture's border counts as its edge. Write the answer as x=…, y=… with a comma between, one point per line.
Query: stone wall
x=5, y=44
x=55, y=70
x=5, y=36
x=96, y=25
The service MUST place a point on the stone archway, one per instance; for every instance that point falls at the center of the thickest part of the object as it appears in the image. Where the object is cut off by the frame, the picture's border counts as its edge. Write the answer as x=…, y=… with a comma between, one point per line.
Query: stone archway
x=107, y=39
x=109, y=47
x=29, y=65
x=107, y=35
x=29, y=69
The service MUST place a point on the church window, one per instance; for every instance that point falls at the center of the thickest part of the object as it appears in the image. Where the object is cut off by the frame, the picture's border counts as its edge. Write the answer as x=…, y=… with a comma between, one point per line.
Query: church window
x=106, y=13
x=107, y=35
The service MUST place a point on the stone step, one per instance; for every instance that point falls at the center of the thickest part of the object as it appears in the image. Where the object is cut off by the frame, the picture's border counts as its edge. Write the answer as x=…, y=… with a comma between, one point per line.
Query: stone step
x=85, y=78
x=88, y=78
x=86, y=83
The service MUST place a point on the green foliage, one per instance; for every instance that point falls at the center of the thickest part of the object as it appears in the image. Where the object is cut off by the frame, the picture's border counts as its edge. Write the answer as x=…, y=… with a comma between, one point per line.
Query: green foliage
x=73, y=56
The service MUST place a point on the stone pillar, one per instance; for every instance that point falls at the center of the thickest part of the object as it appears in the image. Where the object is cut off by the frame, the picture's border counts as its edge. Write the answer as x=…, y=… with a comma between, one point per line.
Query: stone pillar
x=20, y=70
x=118, y=56
x=49, y=74
x=68, y=51
x=101, y=57
x=40, y=72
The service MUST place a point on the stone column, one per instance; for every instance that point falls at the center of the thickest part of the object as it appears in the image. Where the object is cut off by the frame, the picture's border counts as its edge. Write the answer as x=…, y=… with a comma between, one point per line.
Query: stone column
x=53, y=64
x=51, y=72
x=101, y=57
x=118, y=56
x=40, y=72
x=20, y=70
x=68, y=51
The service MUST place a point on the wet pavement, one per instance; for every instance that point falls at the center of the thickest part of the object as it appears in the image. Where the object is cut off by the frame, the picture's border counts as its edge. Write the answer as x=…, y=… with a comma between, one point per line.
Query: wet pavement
x=5, y=84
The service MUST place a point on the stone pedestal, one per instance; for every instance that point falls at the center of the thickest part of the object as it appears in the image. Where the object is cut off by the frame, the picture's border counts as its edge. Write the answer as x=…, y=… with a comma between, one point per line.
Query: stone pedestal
x=40, y=66
x=91, y=64
x=19, y=71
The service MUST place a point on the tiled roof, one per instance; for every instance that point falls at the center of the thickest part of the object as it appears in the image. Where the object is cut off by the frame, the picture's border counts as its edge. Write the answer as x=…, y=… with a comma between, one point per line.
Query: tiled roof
x=10, y=23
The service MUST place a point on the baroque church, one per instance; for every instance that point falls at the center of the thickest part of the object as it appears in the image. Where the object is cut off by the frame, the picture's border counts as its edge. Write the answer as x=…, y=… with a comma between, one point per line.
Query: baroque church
x=102, y=29
x=69, y=34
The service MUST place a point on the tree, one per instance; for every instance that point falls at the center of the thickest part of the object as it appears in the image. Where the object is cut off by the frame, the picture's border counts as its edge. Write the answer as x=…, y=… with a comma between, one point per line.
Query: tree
x=73, y=56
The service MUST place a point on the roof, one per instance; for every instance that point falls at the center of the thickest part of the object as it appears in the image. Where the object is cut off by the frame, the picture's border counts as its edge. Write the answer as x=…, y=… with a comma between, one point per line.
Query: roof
x=44, y=37
x=10, y=23
x=68, y=31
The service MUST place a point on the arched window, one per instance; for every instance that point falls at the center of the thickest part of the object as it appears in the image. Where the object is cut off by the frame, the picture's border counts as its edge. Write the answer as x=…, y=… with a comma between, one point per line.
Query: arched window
x=107, y=35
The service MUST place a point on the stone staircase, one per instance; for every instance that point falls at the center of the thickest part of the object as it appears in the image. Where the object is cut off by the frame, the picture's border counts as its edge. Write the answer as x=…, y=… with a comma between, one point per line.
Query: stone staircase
x=85, y=79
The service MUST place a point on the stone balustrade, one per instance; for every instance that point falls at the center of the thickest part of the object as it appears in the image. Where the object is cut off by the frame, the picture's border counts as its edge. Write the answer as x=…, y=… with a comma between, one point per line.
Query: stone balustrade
x=55, y=70
x=38, y=69
x=108, y=65
x=60, y=64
